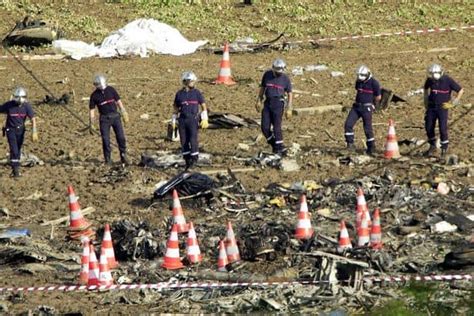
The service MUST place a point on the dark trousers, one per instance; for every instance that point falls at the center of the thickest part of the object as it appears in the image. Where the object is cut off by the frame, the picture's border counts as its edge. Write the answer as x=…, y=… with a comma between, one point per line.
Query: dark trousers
x=15, y=137
x=434, y=113
x=106, y=122
x=188, y=134
x=272, y=115
x=357, y=112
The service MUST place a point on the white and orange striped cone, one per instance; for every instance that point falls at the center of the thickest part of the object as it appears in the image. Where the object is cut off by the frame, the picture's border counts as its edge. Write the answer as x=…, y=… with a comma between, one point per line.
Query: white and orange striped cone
x=361, y=206
x=344, y=240
x=193, y=253
x=108, y=247
x=84, y=275
x=222, y=260
x=105, y=277
x=172, y=260
x=363, y=233
x=369, y=219
x=376, y=231
x=391, y=144
x=77, y=221
x=78, y=226
x=178, y=215
x=231, y=247
x=225, y=76
x=93, y=267
x=304, y=230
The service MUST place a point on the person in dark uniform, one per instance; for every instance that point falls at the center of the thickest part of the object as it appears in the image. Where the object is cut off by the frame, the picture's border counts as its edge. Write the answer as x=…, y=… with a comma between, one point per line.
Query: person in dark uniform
x=277, y=89
x=186, y=110
x=110, y=107
x=437, y=100
x=17, y=111
x=368, y=94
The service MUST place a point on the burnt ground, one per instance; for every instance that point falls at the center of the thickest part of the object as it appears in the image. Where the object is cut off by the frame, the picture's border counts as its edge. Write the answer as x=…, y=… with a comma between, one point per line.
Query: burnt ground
x=148, y=85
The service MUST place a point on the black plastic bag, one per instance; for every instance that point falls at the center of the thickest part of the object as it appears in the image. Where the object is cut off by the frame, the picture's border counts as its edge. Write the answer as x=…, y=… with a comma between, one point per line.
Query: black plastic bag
x=186, y=184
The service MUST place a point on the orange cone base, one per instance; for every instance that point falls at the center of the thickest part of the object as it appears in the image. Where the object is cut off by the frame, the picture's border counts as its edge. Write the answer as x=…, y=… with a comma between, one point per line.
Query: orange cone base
x=172, y=264
x=377, y=245
x=87, y=233
x=226, y=81
x=303, y=234
x=195, y=259
x=85, y=225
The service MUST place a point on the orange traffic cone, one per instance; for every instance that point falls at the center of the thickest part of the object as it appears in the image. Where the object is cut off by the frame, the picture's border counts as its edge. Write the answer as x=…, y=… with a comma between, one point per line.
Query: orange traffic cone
x=344, y=241
x=391, y=145
x=105, y=277
x=225, y=76
x=178, y=216
x=93, y=267
x=376, y=231
x=108, y=247
x=231, y=247
x=222, y=261
x=304, y=230
x=84, y=275
x=363, y=232
x=193, y=252
x=172, y=260
x=77, y=221
x=361, y=206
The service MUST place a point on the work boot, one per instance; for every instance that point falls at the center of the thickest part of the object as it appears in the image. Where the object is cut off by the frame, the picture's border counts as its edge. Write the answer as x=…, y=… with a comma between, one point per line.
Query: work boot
x=108, y=161
x=444, y=153
x=16, y=172
x=189, y=162
x=282, y=152
x=124, y=160
x=430, y=152
x=351, y=147
x=370, y=151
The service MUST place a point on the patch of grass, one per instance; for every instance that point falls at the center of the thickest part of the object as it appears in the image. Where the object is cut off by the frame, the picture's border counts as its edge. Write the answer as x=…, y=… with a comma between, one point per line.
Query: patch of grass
x=394, y=308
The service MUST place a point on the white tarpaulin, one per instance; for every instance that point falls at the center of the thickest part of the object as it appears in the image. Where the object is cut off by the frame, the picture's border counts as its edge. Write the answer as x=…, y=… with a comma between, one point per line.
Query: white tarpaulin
x=136, y=38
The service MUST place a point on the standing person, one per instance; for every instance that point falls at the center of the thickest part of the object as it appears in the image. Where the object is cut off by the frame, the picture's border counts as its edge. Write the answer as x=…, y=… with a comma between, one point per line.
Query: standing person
x=110, y=107
x=368, y=93
x=186, y=109
x=437, y=97
x=17, y=111
x=276, y=87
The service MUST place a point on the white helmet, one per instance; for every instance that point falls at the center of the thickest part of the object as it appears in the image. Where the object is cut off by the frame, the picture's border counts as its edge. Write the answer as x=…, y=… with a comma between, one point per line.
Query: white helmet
x=435, y=71
x=278, y=66
x=363, y=73
x=100, y=82
x=19, y=95
x=188, y=76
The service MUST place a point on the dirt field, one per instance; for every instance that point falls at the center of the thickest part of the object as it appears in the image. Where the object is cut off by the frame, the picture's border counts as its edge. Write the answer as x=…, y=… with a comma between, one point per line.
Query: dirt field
x=148, y=85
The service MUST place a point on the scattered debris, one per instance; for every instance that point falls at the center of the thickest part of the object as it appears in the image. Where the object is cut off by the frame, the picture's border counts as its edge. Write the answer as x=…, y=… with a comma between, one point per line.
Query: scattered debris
x=166, y=159
x=317, y=109
x=26, y=160
x=31, y=32
x=229, y=121
x=187, y=184
x=336, y=74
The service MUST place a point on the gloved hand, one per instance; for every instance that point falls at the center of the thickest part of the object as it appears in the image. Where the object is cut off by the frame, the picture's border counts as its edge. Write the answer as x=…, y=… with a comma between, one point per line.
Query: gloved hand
x=448, y=105
x=34, y=135
x=125, y=117
x=92, y=129
x=204, y=120
x=174, y=117
x=289, y=111
x=258, y=105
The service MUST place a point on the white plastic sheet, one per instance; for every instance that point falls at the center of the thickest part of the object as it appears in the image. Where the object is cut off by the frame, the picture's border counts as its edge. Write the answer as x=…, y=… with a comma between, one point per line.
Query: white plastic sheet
x=139, y=37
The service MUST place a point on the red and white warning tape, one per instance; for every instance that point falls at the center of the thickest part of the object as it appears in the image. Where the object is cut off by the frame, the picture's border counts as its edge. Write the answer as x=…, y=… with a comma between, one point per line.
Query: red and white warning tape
x=403, y=33
x=210, y=285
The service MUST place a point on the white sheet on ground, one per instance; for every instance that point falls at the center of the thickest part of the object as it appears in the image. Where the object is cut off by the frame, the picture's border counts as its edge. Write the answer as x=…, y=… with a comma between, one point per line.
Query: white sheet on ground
x=139, y=37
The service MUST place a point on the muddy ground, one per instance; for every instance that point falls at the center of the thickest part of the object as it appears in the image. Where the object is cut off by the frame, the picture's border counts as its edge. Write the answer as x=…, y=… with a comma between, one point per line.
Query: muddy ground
x=148, y=85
